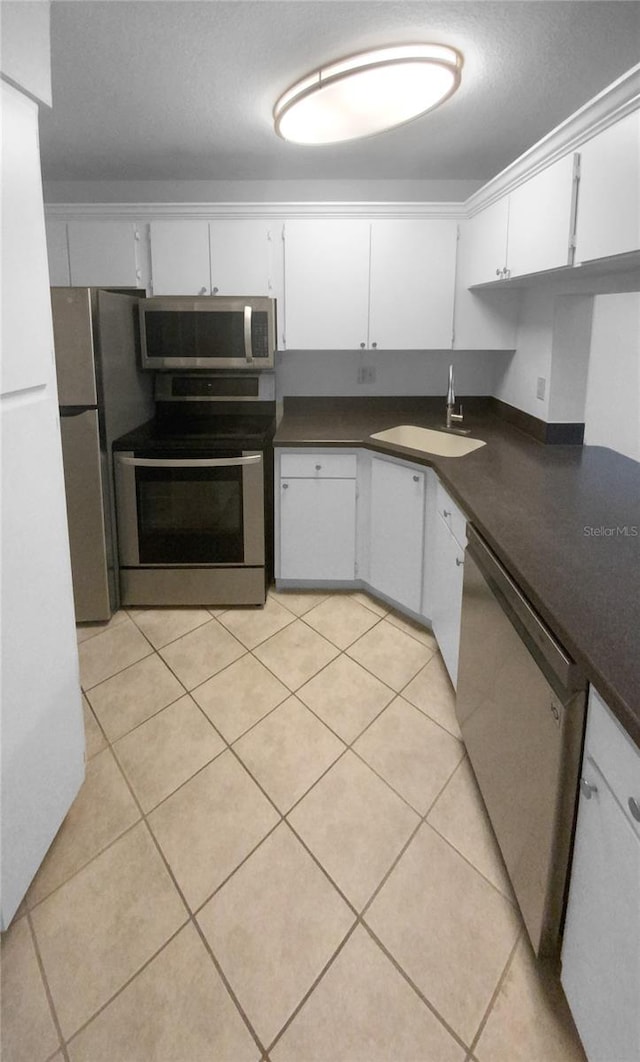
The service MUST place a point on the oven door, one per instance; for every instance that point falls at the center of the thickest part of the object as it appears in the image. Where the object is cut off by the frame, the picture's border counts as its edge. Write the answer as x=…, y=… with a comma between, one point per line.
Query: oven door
x=197, y=511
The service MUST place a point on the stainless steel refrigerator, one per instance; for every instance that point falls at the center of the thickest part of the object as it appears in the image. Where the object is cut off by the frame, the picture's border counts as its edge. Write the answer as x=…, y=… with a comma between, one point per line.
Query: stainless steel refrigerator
x=102, y=393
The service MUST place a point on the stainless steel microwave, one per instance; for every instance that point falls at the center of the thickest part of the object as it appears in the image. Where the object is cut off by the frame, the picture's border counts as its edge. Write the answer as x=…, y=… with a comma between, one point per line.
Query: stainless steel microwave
x=207, y=332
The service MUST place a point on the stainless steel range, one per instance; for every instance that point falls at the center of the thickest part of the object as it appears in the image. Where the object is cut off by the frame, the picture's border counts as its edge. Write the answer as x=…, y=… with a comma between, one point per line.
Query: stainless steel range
x=194, y=497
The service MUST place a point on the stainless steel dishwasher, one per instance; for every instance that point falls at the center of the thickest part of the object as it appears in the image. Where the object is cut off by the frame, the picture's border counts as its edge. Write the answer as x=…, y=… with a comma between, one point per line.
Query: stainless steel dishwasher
x=521, y=705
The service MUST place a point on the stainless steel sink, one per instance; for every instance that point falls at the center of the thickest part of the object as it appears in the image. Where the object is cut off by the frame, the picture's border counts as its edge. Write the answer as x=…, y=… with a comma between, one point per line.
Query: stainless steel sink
x=428, y=441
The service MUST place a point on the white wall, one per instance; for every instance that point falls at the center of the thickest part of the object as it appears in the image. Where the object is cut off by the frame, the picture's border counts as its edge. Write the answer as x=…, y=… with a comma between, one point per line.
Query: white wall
x=398, y=372
x=25, y=57
x=612, y=408
x=517, y=382
x=570, y=358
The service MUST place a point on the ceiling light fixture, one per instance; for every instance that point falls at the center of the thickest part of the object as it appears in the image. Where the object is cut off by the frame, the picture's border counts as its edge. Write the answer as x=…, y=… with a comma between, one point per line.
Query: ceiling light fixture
x=367, y=93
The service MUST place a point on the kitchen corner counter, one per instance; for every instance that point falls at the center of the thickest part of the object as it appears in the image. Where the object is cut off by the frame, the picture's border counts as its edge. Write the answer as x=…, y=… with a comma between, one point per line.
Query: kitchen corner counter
x=564, y=520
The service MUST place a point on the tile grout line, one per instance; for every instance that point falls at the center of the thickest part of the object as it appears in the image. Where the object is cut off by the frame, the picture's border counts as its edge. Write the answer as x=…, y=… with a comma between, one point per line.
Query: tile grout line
x=327, y=965
x=125, y=985
x=409, y=980
x=45, y=981
x=496, y=992
x=456, y=849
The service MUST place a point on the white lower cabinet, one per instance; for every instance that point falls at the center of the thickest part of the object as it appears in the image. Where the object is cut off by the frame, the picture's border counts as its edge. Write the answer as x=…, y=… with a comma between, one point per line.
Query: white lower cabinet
x=397, y=532
x=317, y=517
x=601, y=948
x=447, y=576
x=409, y=534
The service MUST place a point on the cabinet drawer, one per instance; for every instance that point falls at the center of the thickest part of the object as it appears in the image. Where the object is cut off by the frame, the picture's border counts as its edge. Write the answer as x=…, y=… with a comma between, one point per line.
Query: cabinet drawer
x=452, y=515
x=318, y=466
x=614, y=754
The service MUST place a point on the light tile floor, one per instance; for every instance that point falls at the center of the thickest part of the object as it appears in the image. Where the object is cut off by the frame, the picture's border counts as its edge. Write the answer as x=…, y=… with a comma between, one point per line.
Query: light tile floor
x=279, y=853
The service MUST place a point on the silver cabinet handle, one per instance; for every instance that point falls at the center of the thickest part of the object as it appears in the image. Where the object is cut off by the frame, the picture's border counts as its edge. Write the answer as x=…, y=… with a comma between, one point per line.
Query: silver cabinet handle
x=498, y=272
x=215, y=291
x=587, y=788
x=374, y=345
x=416, y=479
x=203, y=291
x=318, y=468
x=459, y=562
x=445, y=512
x=634, y=808
x=248, y=350
x=204, y=462
x=285, y=486
x=362, y=346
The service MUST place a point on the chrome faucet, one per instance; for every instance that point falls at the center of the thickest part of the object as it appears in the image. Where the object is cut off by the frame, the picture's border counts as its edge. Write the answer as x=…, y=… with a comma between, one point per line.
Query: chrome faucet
x=451, y=402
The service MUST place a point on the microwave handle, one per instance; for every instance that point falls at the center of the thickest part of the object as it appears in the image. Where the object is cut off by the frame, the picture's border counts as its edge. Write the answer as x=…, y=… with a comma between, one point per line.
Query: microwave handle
x=208, y=462
x=248, y=349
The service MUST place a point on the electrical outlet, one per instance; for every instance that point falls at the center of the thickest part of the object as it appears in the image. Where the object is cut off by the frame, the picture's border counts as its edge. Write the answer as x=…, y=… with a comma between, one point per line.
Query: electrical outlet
x=366, y=374
x=541, y=387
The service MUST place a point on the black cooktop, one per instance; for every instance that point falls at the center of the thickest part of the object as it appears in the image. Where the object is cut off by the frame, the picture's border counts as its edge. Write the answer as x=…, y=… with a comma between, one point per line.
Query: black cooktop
x=192, y=430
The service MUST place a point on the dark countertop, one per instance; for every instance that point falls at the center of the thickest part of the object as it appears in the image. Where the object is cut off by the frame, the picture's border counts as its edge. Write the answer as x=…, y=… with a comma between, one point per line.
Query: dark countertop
x=534, y=504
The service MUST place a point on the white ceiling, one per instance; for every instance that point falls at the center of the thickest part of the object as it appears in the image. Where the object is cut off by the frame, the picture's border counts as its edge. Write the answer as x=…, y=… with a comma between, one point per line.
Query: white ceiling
x=184, y=90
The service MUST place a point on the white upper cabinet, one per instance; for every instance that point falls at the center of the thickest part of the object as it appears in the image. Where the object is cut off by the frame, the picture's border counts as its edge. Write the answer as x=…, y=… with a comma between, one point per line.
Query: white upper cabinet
x=381, y=284
x=58, y=252
x=485, y=320
x=609, y=202
x=180, y=258
x=326, y=284
x=541, y=213
x=483, y=244
x=528, y=231
x=241, y=259
x=412, y=284
x=247, y=259
x=103, y=254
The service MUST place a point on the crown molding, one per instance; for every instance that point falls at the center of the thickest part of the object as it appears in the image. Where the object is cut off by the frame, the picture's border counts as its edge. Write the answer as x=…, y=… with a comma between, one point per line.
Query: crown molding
x=145, y=212
x=616, y=101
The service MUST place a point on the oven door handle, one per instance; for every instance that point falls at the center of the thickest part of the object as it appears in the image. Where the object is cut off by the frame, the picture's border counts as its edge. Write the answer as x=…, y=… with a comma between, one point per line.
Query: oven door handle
x=248, y=349
x=205, y=462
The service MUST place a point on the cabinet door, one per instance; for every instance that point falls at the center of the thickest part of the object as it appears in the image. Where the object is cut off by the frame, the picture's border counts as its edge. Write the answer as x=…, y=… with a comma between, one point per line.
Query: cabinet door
x=326, y=284
x=180, y=258
x=240, y=259
x=103, y=254
x=540, y=220
x=609, y=202
x=397, y=531
x=412, y=284
x=484, y=251
x=447, y=595
x=318, y=529
x=601, y=949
